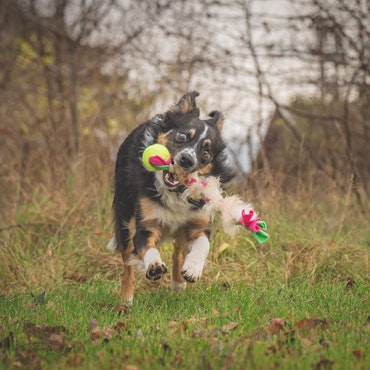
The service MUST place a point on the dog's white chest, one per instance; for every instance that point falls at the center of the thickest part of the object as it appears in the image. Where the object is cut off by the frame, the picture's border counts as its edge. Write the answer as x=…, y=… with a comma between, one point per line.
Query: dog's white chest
x=174, y=211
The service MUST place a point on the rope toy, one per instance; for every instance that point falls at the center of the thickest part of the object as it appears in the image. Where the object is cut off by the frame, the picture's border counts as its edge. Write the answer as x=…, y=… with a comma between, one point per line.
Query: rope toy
x=234, y=212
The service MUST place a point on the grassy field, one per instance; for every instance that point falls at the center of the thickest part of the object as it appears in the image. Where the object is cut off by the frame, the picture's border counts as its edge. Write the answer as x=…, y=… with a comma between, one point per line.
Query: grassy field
x=300, y=301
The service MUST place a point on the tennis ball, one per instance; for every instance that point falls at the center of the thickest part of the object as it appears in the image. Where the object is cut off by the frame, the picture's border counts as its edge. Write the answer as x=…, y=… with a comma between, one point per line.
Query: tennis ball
x=156, y=157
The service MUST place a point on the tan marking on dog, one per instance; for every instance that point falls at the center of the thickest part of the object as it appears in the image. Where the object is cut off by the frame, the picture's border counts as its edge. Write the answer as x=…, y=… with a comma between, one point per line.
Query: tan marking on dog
x=149, y=222
x=186, y=104
x=206, y=170
x=192, y=133
x=207, y=143
x=220, y=122
x=163, y=138
x=128, y=277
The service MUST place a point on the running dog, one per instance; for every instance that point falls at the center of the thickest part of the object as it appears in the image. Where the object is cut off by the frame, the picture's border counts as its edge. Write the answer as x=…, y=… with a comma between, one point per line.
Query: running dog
x=148, y=206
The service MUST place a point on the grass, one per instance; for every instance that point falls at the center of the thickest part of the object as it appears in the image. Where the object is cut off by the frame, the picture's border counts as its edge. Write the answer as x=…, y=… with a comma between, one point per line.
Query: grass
x=300, y=301
x=209, y=326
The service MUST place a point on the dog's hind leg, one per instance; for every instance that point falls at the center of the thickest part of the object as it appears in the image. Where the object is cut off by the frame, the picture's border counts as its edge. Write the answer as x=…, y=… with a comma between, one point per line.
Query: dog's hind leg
x=178, y=284
x=123, y=234
x=128, y=277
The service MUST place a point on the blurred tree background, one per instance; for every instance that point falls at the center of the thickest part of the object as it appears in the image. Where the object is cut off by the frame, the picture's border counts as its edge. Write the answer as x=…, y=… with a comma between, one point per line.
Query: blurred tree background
x=292, y=77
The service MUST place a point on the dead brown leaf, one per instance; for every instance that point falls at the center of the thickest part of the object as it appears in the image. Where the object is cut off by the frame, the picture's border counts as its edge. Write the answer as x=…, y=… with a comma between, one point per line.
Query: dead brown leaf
x=119, y=326
x=122, y=309
x=96, y=334
x=358, y=354
x=276, y=325
x=74, y=360
x=93, y=323
x=28, y=358
x=350, y=283
x=311, y=323
x=177, y=326
x=229, y=327
x=324, y=364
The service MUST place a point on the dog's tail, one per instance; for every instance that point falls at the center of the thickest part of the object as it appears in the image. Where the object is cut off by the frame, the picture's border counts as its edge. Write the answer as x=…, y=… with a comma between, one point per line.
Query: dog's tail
x=112, y=244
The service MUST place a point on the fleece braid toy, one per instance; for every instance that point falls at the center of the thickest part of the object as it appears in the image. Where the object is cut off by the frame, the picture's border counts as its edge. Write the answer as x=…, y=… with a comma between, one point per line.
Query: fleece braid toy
x=234, y=212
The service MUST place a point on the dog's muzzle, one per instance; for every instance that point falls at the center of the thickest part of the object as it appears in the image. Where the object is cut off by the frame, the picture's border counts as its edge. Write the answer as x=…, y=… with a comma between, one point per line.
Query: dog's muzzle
x=170, y=179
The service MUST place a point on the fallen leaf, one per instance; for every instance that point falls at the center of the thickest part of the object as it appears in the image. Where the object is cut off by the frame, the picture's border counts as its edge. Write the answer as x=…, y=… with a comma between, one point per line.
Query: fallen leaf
x=358, y=354
x=311, y=323
x=350, y=283
x=177, y=326
x=74, y=360
x=29, y=359
x=119, y=326
x=122, y=309
x=229, y=327
x=106, y=305
x=93, y=323
x=276, y=325
x=56, y=341
x=200, y=320
x=324, y=364
x=96, y=334
x=108, y=332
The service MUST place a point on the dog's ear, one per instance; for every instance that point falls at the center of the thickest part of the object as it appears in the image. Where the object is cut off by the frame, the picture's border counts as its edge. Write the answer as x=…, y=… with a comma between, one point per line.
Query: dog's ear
x=217, y=119
x=187, y=104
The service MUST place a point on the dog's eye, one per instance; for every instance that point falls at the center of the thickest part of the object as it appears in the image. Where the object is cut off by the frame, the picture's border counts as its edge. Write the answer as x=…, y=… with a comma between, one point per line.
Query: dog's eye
x=181, y=137
x=206, y=155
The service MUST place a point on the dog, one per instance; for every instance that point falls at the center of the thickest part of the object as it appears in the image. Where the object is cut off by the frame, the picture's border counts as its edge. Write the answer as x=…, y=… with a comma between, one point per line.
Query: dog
x=148, y=206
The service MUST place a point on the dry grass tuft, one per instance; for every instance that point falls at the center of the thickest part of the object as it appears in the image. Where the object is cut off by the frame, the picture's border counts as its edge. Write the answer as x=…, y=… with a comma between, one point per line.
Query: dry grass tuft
x=55, y=233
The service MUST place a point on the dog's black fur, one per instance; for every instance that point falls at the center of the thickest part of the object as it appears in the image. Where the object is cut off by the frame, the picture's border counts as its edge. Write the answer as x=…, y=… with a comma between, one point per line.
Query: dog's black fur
x=148, y=206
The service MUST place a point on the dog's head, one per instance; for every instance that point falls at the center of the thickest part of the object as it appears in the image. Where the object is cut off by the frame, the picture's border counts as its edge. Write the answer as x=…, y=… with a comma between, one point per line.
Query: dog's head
x=196, y=145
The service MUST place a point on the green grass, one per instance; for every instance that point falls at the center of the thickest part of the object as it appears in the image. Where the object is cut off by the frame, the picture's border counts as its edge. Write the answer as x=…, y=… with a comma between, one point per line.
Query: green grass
x=214, y=326
x=299, y=301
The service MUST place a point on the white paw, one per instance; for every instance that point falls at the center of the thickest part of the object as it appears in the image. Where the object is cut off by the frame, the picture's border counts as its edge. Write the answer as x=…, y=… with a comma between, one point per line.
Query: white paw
x=195, y=260
x=153, y=264
x=192, y=270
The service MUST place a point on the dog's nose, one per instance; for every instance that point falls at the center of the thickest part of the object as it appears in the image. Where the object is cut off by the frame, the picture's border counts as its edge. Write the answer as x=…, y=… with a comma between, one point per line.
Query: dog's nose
x=187, y=161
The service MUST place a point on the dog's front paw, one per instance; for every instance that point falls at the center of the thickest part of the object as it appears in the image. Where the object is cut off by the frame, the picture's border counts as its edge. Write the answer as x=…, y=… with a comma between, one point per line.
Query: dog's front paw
x=194, y=262
x=192, y=270
x=156, y=271
x=153, y=264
